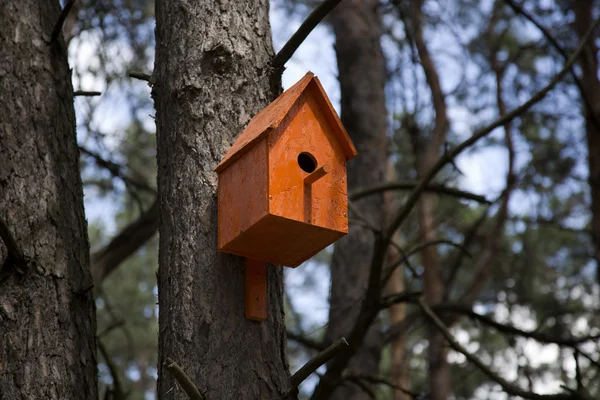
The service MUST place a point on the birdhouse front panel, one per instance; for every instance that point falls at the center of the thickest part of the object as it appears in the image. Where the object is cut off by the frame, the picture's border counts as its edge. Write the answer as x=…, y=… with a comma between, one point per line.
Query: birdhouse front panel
x=282, y=186
x=302, y=144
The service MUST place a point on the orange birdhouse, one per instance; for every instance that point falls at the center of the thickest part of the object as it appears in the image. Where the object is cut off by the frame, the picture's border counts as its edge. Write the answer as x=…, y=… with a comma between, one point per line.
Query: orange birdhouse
x=282, y=185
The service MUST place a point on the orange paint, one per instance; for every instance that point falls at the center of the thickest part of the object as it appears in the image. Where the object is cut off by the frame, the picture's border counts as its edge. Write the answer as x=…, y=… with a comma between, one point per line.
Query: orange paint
x=282, y=185
x=256, y=290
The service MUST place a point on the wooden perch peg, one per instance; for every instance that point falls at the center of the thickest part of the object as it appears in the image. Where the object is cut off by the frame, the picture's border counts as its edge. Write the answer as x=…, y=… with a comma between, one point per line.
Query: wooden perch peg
x=317, y=174
x=256, y=290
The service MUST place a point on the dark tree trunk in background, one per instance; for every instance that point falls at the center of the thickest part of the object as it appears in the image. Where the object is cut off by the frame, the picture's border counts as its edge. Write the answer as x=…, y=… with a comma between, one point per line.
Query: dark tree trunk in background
x=357, y=28
x=47, y=312
x=399, y=371
x=428, y=149
x=211, y=76
x=589, y=68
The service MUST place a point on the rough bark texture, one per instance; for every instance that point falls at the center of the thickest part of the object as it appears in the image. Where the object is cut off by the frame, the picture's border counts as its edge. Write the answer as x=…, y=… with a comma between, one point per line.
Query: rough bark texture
x=47, y=312
x=357, y=28
x=211, y=76
x=589, y=68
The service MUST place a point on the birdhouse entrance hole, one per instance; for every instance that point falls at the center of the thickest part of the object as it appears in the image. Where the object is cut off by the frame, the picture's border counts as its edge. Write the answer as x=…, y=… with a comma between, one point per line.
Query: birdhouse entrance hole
x=307, y=162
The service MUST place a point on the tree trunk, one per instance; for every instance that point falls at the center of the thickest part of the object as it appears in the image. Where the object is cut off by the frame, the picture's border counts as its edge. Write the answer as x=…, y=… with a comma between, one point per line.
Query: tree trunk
x=212, y=74
x=589, y=77
x=357, y=28
x=397, y=313
x=427, y=153
x=47, y=312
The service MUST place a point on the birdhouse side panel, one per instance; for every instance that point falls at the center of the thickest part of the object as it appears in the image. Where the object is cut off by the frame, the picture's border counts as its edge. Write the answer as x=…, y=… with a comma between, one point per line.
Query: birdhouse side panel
x=242, y=194
x=303, y=143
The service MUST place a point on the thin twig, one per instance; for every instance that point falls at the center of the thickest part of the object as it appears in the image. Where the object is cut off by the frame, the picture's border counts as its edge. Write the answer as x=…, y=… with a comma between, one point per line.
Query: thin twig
x=403, y=297
x=449, y=156
x=184, y=381
x=116, y=324
x=316, y=362
x=305, y=341
x=409, y=185
x=379, y=380
x=520, y=10
x=139, y=75
x=61, y=20
x=117, y=393
x=509, y=388
x=116, y=170
x=511, y=330
x=302, y=33
x=86, y=93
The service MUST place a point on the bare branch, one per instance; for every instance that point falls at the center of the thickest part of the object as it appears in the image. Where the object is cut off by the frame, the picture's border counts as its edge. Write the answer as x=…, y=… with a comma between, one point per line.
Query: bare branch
x=86, y=93
x=306, y=342
x=379, y=380
x=61, y=20
x=409, y=185
x=588, y=103
x=116, y=170
x=404, y=297
x=134, y=236
x=316, y=362
x=508, y=387
x=142, y=76
x=452, y=154
x=117, y=393
x=302, y=33
x=184, y=381
x=401, y=327
x=469, y=237
x=511, y=330
x=116, y=324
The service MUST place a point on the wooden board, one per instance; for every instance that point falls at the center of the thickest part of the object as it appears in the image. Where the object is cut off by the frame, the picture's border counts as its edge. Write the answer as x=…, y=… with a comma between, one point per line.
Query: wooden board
x=256, y=290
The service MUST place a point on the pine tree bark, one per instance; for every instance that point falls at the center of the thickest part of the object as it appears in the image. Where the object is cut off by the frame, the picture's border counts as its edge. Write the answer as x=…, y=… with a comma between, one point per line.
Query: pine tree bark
x=357, y=28
x=589, y=77
x=47, y=312
x=212, y=74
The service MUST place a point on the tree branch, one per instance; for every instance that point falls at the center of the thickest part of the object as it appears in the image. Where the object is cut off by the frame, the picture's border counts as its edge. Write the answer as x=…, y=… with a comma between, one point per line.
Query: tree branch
x=306, y=342
x=86, y=93
x=316, y=362
x=508, y=387
x=142, y=76
x=409, y=185
x=378, y=380
x=184, y=381
x=118, y=393
x=520, y=10
x=452, y=154
x=134, y=236
x=116, y=170
x=61, y=20
x=511, y=330
x=302, y=33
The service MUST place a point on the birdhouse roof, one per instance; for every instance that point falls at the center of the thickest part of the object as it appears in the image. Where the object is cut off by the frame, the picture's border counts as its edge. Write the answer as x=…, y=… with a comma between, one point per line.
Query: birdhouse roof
x=271, y=116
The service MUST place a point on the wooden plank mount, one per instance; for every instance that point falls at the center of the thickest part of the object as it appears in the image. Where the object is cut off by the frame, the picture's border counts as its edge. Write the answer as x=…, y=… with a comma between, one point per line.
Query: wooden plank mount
x=256, y=290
